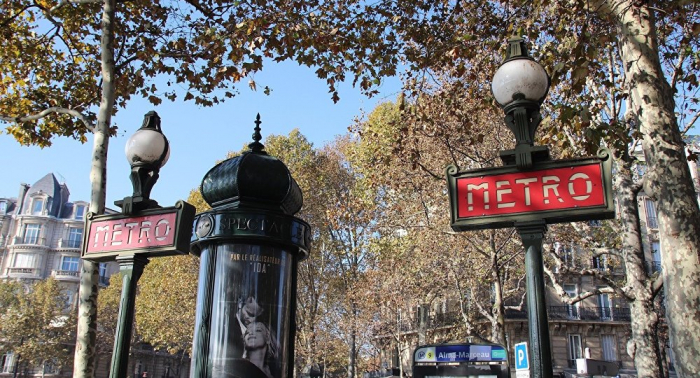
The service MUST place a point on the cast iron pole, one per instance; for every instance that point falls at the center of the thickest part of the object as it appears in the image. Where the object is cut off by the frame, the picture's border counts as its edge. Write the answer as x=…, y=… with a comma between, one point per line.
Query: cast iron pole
x=131, y=268
x=540, y=351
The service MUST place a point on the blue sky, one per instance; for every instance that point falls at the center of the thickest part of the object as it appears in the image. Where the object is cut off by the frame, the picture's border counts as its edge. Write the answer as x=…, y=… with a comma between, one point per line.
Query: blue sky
x=199, y=137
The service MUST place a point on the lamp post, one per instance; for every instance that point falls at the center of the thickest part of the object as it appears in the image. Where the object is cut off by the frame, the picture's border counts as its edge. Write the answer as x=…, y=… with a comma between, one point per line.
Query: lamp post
x=143, y=230
x=519, y=86
x=147, y=150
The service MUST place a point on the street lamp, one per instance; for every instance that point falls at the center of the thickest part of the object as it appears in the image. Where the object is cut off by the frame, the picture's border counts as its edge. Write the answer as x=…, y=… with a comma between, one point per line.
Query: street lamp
x=162, y=231
x=146, y=151
x=519, y=86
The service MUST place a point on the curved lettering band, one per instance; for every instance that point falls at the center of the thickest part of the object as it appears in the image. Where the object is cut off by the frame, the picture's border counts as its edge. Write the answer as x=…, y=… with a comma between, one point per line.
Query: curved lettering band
x=241, y=225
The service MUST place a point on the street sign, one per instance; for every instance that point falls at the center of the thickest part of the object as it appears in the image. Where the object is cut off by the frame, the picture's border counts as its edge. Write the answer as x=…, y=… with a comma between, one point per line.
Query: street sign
x=521, y=359
x=555, y=191
x=460, y=353
x=155, y=232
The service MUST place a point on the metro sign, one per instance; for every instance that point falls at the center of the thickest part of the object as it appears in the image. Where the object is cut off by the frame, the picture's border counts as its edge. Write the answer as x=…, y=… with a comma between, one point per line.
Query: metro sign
x=155, y=232
x=555, y=191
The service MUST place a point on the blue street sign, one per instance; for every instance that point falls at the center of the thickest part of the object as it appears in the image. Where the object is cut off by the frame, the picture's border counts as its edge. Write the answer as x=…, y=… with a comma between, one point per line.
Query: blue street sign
x=521, y=361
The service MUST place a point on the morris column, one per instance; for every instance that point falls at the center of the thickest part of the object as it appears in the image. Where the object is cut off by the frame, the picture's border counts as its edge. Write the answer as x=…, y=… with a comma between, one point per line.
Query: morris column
x=249, y=246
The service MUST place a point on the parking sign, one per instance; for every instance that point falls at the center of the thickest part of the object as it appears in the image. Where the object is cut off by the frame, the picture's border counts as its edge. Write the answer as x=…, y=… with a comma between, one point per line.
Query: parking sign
x=521, y=361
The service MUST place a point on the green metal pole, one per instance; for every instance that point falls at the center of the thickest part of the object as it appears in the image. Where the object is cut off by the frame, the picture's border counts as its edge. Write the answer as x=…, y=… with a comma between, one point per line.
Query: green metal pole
x=540, y=350
x=131, y=268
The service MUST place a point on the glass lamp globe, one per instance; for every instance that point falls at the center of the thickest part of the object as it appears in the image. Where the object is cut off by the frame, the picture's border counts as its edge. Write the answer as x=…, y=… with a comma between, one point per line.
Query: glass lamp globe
x=146, y=146
x=520, y=76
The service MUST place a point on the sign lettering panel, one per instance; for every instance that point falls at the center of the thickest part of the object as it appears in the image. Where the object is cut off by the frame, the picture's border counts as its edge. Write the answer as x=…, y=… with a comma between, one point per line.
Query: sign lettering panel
x=521, y=192
x=554, y=191
x=153, y=232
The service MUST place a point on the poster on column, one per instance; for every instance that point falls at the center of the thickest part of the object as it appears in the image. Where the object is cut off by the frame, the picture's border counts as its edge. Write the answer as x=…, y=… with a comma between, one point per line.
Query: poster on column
x=251, y=312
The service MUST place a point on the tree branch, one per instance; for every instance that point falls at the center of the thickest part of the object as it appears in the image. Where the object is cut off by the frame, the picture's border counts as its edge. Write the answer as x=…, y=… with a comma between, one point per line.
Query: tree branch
x=66, y=2
x=47, y=112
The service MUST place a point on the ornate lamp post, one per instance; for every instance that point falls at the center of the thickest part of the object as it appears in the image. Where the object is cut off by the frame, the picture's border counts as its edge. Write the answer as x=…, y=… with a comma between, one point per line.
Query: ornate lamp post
x=530, y=191
x=519, y=86
x=143, y=229
x=249, y=246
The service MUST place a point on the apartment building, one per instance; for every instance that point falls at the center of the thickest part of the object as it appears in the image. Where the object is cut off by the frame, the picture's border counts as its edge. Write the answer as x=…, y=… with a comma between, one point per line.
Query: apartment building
x=41, y=232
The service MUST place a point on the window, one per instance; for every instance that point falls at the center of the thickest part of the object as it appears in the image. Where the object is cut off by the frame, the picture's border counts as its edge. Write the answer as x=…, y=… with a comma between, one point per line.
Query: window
x=651, y=213
x=38, y=206
x=572, y=309
x=50, y=367
x=70, y=263
x=7, y=362
x=79, y=212
x=75, y=236
x=601, y=262
x=605, y=305
x=608, y=345
x=655, y=257
x=24, y=260
x=575, y=350
x=3, y=207
x=31, y=233
x=103, y=269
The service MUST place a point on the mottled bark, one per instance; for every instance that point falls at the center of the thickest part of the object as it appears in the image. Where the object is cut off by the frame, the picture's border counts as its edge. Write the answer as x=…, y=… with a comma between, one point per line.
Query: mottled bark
x=668, y=180
x=85, y=350
x=643, y=343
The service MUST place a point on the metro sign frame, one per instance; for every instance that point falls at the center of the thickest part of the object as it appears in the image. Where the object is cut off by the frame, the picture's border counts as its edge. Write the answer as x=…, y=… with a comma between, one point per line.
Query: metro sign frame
x=555, y=191
x=163, y=231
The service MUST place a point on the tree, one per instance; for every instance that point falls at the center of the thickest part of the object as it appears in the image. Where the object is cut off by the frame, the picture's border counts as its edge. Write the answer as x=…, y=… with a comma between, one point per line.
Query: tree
x=37, y=326
x=470, y=279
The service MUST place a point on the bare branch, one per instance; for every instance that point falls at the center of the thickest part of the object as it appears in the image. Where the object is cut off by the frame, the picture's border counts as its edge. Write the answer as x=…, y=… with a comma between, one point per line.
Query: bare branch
x=690, y=124
x=611, y=289
x=52, y=110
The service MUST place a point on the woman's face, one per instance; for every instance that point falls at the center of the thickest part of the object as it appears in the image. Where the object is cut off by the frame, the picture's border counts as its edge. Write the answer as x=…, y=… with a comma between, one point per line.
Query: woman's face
x=255, y=336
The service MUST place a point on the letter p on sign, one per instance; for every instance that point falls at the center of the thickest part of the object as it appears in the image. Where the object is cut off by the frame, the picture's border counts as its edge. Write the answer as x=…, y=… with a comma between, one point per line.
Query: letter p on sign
x=521, y=361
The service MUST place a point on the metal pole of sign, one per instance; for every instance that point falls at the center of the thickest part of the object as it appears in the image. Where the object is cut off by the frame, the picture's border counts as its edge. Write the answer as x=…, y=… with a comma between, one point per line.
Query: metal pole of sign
x=131, y=268
x=531, y=234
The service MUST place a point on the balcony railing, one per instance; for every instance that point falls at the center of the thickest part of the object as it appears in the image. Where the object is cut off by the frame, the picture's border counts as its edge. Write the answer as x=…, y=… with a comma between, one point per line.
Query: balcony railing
x=30, y=240
x=554, y=313
x=589, y=313
x=21, y=271
x=66, y=273
x=68, y=243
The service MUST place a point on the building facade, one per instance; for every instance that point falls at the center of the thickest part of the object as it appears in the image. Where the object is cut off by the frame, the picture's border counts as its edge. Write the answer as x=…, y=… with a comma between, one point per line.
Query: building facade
x=41, y=232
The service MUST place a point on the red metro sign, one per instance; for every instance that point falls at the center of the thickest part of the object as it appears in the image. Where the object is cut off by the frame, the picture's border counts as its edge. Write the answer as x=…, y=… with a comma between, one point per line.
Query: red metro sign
x=154, y=232
x=556, y=191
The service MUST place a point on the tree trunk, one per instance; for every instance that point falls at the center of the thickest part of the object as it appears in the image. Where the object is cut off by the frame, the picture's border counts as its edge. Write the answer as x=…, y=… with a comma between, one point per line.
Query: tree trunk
x=668, y=180
x=85, y=356
x=643, y=343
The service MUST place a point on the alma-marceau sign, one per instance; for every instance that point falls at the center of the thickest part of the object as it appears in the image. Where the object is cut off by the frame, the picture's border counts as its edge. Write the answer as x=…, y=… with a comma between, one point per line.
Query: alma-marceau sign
x=555, y=191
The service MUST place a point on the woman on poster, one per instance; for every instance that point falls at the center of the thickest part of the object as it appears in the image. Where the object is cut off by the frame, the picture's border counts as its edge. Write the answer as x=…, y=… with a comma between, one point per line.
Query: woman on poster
x=261, y=348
